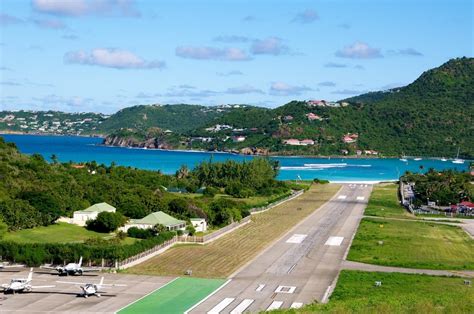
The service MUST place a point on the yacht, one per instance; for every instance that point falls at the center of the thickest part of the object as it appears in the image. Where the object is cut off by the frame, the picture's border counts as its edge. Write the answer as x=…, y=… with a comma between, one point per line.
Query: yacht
x=403, y=158
x=444, y=159
x=417, y=159
x=457, y=160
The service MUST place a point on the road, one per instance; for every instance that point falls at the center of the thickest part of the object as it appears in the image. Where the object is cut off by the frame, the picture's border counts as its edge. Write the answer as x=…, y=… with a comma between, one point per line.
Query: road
x=301, y=266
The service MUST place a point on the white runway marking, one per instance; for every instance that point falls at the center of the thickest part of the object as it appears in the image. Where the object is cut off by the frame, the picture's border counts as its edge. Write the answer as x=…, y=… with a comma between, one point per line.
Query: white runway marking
x=260, y=287
x=360, y=198
x=296, y=305
x=285, y=289
x=222, y=305
x=296, y=238
x=242, y=306
x=275, y=305
x=342, y=197
x=334, y=241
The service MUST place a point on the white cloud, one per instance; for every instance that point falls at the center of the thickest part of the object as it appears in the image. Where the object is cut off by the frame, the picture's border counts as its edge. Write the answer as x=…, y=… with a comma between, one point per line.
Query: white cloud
x=335, y=65
x=327, y=84
x=112, y=58
x=270, y=46
x=86, y=7
x=232, y=39
x=244, y=89
x=230, y=73
x=359, y=50
x=211, y=53
x=406, y=52
x=305, y=17
x=6, y=20
x=51, y=24
x=349, y=92
x=284, y=89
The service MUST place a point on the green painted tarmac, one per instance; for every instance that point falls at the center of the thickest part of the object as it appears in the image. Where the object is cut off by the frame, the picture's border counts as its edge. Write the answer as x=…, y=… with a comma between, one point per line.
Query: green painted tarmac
x=176, y=297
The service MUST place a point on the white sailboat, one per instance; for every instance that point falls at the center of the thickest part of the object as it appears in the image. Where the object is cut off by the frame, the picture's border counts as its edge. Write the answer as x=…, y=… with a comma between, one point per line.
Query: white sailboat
x=417, y=159
x=403, y=158
x=457, y=160
x=444, y=159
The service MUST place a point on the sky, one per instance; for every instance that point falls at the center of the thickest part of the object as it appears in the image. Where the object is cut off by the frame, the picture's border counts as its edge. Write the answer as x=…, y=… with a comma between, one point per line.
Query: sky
x=104, y=55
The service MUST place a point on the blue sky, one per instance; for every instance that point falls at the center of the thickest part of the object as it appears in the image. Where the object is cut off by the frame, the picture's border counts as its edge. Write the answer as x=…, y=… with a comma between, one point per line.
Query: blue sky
x=104, y=55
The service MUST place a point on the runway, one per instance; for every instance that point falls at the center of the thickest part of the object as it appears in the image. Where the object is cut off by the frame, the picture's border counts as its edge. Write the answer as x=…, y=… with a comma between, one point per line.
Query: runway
x=301, y=266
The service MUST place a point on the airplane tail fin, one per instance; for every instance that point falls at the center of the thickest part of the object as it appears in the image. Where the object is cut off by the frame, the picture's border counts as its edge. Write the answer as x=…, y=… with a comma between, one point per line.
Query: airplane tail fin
x=30, y=275
x=101, y=281
x=80, y=262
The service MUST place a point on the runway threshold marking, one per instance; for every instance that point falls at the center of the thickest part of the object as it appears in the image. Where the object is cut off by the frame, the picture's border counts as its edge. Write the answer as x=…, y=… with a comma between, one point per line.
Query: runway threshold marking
x=285, y=289
x=260, y=287
x=360, y=198
x=242, y=306
x=275, y=305
x=296, y=238
x=342, y=197
x=221, y=305
x=296, y=305
x=334, y=241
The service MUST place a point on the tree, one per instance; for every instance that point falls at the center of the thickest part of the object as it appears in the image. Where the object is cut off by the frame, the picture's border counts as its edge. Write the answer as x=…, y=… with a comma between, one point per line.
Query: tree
x=106, y=222
x=54, y=159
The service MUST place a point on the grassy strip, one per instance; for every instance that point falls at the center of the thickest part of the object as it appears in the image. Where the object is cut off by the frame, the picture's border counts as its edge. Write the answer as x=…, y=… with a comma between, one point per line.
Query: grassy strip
x=58, y=233
x=225, y=255
x=399, y=293
x=384, y=203
x=412, y=244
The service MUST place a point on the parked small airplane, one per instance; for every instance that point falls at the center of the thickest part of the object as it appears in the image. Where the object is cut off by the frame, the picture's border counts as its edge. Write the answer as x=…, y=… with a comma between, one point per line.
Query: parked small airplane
x=89, y=289
x=4, y=266
x=71, y=269
x=22, y=284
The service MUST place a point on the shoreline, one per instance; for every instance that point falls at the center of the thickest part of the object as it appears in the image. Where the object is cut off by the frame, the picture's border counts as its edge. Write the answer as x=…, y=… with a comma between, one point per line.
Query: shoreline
x=276, y=155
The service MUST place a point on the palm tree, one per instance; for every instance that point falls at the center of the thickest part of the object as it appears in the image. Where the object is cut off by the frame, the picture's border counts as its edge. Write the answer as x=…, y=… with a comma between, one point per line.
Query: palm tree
x=54, y=159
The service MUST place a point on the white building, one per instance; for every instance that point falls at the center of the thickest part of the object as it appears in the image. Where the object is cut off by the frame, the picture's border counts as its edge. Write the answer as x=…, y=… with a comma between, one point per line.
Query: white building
x=81, y=216
x=199, y=224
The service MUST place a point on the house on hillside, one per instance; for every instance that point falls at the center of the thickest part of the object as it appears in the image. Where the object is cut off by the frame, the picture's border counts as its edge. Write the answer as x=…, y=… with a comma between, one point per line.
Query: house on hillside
x=156, y=218
x=311, y=117
x=288, y=118
x=199, y=224
x=81, y=216
x=238, y=139
x=350, y=138
x=295, y=142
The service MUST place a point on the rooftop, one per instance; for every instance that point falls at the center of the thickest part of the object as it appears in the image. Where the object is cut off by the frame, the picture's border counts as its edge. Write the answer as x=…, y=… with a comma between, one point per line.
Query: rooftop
x=158, y=218
x=100, y=207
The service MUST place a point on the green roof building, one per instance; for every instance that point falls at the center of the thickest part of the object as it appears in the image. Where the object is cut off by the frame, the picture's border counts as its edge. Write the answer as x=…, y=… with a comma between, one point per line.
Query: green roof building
x=156, y=218
x=100, y=207
x=80, y=217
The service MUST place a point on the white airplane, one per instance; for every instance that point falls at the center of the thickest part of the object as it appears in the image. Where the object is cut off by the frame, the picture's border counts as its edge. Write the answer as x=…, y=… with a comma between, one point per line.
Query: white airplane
x=89, y=289
x=71, y=269
x=4, y=266
x=22, y=284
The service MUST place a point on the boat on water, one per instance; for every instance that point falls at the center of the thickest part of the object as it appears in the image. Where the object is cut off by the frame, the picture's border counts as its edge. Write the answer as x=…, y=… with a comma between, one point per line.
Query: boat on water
x=403, y=158
x=444, y=159
x=458, y=160
x=417, y=159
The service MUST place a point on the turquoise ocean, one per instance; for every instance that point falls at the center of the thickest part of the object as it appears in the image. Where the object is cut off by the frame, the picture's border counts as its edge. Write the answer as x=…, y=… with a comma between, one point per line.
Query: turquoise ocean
x=81, y=149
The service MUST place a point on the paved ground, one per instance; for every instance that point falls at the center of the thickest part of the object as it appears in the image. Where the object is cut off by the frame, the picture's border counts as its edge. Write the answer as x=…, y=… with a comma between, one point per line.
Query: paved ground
x=63, y=298
x=301, y=266
x=388, y=269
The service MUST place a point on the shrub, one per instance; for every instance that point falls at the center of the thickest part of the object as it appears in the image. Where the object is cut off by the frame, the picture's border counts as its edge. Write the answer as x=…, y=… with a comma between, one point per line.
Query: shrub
x=106, y=222
x=139, y=233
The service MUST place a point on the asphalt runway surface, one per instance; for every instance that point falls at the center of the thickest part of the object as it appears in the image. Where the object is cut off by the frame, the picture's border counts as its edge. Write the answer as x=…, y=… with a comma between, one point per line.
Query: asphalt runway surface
x=65, y=298
x=301, y=266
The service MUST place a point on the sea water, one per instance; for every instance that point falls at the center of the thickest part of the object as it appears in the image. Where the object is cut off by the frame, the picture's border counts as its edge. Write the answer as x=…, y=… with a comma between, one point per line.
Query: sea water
x=81, y=149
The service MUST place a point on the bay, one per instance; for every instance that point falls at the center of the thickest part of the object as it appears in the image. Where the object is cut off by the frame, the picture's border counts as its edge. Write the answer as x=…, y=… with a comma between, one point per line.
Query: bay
x=82, y=149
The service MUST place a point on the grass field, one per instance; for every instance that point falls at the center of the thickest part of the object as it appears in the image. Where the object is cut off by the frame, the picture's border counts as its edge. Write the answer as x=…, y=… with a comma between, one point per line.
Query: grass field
x=175, y=297
x=412, y=244
x=58, y=233
x=384, y=203
x=400, y=293
x=222, y=257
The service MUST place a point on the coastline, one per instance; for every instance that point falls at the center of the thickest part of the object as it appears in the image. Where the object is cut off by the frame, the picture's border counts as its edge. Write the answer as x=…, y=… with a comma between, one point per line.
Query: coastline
x=276, y=154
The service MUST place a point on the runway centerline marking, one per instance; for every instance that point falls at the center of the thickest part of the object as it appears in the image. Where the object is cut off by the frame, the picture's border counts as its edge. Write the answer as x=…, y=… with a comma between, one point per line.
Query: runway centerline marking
x=360, y=198
x=242, y=306
x=275, y=305
x=285, y=289
x=296, y=305
x=296, y=238
x=334, y=241
x=342, y=197
x=221, y=305
x=260, y=287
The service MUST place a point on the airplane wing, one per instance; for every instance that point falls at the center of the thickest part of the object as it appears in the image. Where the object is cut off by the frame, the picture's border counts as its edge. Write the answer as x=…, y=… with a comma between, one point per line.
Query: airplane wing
x=86, y=270
x=48, y=267
x=72, y=282
x=112, y=285
x=5, y=286
x=11, y=266
x=41, y=287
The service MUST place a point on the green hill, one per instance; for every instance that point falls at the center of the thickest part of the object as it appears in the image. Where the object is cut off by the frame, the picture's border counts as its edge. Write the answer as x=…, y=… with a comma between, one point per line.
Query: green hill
x=432, y=116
